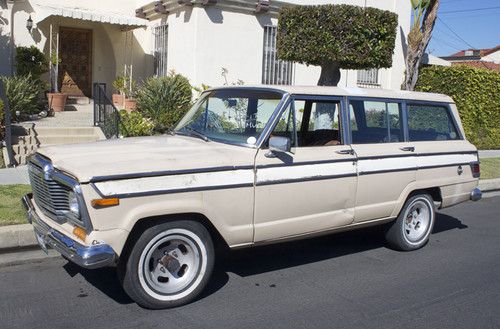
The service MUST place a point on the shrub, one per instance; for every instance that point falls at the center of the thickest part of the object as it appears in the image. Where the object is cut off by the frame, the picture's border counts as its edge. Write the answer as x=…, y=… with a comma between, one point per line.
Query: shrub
x=164, y=100
x=134, y=124
x=476, y=93
x=22, y=94
x=30, y=60
x=337, y=36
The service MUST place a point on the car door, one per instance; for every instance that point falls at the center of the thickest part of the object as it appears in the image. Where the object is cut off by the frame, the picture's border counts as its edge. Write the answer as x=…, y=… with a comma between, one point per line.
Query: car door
x=386, y=162
x=311, y=188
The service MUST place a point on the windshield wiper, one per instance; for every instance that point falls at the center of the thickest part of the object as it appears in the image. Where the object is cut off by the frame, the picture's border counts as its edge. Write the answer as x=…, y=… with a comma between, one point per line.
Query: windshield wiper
x=196, y=133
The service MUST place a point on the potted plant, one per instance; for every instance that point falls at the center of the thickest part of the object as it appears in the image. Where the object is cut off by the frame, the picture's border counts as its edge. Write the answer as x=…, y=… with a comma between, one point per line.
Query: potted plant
x=120, y=86
x=56, y=99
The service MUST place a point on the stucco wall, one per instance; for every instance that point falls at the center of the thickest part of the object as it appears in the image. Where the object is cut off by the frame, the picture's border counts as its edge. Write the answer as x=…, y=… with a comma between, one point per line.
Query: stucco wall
x=204, y=40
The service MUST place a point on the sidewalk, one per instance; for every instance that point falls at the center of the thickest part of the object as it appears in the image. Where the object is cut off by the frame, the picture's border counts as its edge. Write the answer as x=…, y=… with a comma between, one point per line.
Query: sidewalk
x=17, y=175
x=489, y=154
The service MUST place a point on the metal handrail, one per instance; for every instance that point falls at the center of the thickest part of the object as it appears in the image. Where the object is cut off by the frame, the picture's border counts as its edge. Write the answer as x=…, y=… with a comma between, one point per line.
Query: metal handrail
x=8, y=132
x=106, y=116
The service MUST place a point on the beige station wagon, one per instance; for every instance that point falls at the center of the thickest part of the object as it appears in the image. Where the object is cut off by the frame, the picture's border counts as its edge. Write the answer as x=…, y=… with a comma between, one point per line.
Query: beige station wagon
x=248, y=166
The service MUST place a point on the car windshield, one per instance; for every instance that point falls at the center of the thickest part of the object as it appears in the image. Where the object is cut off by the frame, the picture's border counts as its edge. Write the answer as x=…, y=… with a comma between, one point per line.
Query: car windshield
x=236, y=116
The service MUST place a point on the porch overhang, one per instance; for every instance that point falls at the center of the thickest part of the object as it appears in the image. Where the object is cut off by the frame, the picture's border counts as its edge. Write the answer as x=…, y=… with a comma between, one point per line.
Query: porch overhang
x=45, y=9
x=160, y=8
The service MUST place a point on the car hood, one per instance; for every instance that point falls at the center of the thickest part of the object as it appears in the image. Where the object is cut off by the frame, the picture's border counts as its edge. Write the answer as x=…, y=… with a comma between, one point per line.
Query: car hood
x=143, y=155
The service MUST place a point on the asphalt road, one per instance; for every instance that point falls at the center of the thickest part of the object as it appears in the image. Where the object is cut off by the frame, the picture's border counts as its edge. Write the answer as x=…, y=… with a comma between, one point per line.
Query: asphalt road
x=348, y=280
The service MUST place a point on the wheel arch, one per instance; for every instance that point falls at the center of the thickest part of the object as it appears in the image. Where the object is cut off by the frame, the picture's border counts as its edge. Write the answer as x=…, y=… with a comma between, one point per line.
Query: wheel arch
x=434, y=192
x=220, y=244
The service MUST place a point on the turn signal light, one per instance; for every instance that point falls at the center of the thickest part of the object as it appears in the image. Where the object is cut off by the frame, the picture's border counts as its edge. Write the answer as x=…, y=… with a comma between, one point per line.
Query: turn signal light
x=80, y=233
x=99, y=203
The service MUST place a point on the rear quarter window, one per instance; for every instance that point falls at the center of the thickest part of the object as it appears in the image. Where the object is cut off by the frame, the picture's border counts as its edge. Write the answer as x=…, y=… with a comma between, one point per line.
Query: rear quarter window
x=431, y=123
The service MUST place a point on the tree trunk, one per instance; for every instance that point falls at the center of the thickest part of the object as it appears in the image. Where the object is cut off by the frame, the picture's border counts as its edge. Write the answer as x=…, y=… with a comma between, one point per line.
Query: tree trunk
x=330, y=74
x=418, y=40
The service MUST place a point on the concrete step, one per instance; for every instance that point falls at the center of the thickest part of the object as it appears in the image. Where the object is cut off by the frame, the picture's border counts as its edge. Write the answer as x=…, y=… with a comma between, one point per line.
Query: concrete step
x=20, y=159
x=65, y=131
x=24, y=140
x=80, y=100
x=71, y=139
x=24, y=149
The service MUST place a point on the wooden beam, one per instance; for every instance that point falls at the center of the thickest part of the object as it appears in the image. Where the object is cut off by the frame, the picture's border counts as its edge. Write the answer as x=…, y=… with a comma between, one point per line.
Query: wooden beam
x=262, y=6
x=139, y=13
x=160, y=8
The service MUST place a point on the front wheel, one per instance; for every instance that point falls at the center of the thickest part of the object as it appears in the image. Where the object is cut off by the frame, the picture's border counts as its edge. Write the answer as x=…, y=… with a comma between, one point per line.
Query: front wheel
x=414, y=224
x=169, y=265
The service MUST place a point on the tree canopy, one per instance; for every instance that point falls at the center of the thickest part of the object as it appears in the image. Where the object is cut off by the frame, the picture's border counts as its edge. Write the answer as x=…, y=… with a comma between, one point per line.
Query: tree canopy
x=337, y=36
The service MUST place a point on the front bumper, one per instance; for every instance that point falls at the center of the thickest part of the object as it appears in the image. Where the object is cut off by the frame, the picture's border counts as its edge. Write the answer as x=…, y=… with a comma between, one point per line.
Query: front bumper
x=90, y=257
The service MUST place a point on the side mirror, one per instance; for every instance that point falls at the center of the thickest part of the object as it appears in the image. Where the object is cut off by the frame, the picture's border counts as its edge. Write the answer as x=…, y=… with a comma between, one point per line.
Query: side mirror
x=279, y=144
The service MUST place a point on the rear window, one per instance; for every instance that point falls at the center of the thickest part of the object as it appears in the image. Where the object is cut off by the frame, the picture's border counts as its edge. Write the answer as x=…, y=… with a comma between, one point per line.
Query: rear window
x=430, y=123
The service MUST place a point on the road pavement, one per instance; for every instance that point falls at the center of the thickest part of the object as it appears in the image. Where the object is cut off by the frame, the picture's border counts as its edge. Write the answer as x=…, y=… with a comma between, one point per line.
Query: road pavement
x=347, y=280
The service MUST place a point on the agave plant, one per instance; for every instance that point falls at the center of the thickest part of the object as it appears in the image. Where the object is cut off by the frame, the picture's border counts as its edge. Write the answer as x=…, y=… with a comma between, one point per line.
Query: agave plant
x=22, y=94
x=164, y=100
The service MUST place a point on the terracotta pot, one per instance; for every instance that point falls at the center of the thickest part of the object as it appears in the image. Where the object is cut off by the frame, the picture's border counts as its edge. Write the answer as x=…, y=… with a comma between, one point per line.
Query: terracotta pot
x=130, y=104
x=118, y=101
x=57, y=101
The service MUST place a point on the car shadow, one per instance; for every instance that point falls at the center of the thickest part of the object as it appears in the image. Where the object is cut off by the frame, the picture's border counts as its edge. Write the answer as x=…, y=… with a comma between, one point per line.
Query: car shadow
x=262, y=259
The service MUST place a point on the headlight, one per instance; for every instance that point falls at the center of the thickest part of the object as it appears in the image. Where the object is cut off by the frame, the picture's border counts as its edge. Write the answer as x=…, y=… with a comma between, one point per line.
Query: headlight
x=73, y=204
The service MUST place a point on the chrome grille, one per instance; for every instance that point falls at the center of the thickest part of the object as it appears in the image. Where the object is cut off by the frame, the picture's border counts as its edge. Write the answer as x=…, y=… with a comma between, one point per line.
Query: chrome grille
x=49, y=195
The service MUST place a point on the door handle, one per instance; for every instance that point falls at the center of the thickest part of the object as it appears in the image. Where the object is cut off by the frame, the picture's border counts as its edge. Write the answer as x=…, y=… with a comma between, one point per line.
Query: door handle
x=351, y=152
x=408, y=149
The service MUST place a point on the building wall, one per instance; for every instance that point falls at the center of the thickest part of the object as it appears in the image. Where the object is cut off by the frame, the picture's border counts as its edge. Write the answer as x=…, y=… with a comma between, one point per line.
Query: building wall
x=203, y=40
x=113, y=46
x=493, y=57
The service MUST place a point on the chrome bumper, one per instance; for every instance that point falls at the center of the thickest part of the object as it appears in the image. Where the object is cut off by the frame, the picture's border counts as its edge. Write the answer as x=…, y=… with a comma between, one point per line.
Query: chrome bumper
x=90, y=257
x=476, y=194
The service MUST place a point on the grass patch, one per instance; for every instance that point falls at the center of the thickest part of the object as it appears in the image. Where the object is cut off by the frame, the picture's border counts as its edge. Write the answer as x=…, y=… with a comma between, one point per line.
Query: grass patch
x=490, y=168
x=11, y=209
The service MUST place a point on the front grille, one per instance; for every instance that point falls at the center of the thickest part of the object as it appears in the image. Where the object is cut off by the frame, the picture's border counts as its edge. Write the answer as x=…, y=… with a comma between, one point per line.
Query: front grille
x=50, y=196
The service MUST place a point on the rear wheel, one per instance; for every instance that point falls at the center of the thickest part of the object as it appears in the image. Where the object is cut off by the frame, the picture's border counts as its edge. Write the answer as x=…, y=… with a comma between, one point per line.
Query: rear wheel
x=412, y=228
x=169, y=265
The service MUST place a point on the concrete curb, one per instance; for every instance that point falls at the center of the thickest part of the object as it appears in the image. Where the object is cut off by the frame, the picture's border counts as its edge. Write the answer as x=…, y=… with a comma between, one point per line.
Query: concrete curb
x=17, y=236
x=22, y=236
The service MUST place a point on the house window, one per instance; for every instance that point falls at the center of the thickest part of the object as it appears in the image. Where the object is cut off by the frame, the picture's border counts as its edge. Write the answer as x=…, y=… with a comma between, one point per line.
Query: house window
x=367, y=78
x=274, y=70
x=160, y=34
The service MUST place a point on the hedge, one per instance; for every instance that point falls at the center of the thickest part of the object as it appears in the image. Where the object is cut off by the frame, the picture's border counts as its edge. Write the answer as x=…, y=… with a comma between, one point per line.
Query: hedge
x=476, y=93
x=353, y=36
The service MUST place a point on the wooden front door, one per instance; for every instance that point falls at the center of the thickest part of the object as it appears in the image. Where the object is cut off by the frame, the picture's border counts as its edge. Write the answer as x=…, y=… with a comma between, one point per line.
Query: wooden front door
x=75, y=69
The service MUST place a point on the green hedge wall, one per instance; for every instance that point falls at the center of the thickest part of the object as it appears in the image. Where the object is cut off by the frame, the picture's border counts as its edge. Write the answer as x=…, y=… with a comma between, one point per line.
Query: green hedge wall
x=477, y=95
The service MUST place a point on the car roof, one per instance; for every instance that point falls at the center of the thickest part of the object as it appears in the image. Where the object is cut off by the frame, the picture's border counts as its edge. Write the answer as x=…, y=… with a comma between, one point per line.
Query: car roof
x=351, y=91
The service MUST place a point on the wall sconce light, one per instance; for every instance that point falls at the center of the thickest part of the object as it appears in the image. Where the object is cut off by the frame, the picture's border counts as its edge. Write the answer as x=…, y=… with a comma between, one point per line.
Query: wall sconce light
x=29, y=24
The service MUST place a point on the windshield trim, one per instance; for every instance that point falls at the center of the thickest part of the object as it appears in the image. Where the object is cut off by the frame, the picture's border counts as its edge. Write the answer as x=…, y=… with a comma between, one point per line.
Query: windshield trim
x=267, y=128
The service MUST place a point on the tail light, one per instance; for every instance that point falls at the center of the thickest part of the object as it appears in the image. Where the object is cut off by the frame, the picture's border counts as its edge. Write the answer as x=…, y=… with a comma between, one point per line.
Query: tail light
x=476, y=169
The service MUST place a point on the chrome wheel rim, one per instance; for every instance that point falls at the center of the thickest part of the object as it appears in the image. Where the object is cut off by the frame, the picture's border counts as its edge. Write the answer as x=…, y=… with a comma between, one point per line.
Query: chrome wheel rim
x=172, y=264
x=417, y=220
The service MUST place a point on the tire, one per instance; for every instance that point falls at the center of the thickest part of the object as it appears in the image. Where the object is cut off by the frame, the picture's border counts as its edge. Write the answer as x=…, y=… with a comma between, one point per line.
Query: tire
x=412, y=228
x=169, y=265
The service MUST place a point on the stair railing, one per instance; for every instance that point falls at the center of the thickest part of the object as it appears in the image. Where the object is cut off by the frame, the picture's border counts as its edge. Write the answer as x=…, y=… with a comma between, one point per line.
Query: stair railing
x=106, y=116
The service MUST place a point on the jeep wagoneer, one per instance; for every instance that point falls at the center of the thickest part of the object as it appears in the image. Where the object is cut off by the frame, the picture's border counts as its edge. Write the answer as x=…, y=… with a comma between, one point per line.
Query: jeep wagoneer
x=248, y=166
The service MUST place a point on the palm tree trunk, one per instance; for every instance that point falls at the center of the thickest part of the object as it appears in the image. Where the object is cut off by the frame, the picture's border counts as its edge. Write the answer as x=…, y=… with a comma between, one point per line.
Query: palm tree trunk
x=418, y=40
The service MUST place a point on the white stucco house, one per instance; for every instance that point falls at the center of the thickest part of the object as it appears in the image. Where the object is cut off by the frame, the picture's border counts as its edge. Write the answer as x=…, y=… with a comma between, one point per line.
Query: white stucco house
x=97, y=39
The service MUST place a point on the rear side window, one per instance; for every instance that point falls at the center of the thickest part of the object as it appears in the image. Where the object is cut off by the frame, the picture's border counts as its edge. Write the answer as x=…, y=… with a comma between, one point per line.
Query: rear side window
x=375, y=122
x=430, y=123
